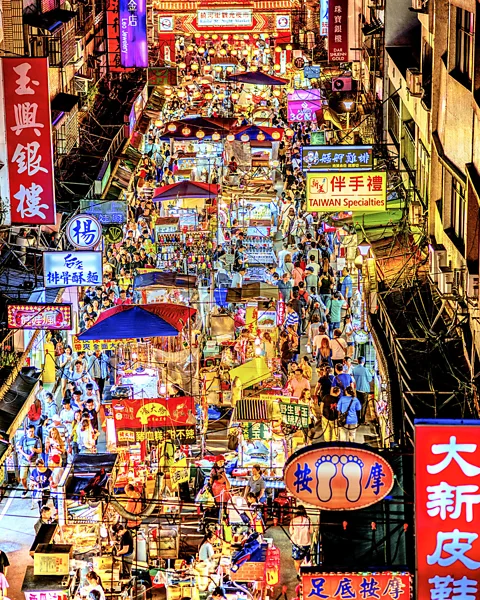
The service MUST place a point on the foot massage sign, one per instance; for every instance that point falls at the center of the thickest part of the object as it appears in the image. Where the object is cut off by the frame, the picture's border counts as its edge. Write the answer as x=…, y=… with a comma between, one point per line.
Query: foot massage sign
x=338, y=476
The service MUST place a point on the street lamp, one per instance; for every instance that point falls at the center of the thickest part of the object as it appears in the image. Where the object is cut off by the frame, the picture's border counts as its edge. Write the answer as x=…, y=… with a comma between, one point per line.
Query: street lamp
x=348, y=106
x=364, y=247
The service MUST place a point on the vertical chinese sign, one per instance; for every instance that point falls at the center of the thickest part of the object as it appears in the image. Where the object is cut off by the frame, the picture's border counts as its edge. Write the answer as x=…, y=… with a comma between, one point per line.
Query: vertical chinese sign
x=133, y=33
x=338, y=31
x=447, y=473
x=29, y=141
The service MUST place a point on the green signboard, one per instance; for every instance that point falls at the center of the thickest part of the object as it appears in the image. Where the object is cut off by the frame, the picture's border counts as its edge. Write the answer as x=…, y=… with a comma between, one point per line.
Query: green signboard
x=317, y=138
x=255, y=431
x=295, y=414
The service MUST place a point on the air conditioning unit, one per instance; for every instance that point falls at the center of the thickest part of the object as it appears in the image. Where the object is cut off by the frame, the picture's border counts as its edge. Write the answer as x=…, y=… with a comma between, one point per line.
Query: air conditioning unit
x=79, y=59
x=459, y=282
x=445, y=280
x=473, y=282
x=81, y=85
x=341, y=84
x=438, y=259
x=356, y=71
x=414, y=82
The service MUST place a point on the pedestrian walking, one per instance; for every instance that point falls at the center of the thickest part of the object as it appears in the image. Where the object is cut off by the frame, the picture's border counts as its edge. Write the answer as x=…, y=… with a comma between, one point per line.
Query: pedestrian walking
x=300, y=531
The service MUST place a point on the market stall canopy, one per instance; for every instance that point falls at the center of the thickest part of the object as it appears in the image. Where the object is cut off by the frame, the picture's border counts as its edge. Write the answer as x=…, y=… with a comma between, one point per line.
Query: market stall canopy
x=249, y=291
x=157, y=278
x=185, y=189
x=134, y=321
x=272, y=134
x=257, y=78
x=251, y=372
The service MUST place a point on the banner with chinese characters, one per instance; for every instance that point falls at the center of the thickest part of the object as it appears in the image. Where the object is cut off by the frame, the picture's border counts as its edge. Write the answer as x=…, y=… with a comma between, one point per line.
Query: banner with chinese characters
x=67, y=269
x=295, y=414
x=338, y=31
x=235, y=17
x=179, y=472
x=381, y=586
x=133, y=33
x=325, y=158
x=29, y=141
x=154, y=412
x=344, y=191
x=39, y=316
x=447, y=511
x=183, y=435
x=256, y=431
x=94, y=345
x=302, y=105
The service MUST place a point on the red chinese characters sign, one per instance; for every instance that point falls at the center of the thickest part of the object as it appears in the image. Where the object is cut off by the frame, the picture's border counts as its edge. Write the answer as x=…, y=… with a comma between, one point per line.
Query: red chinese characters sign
x=338, y=31
x=154, y=412
x=340, y=586
x=447, y=472
x=29, y=141
x=347, y=191
x=40, y=316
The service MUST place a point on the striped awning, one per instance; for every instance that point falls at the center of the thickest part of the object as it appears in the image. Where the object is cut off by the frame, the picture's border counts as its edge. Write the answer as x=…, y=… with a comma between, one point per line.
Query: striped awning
x=250, y=410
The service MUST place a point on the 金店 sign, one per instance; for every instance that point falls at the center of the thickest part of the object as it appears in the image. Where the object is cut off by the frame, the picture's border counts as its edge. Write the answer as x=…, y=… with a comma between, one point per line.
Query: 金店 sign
x=345, y=191
x=235, y=17
x=381, y=586
x=447, y=472
x=133, y=33
x=40, y=316
x=325, y=158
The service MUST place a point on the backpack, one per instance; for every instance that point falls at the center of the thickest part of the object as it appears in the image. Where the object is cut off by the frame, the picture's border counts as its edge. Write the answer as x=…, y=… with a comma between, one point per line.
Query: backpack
x=303, y=300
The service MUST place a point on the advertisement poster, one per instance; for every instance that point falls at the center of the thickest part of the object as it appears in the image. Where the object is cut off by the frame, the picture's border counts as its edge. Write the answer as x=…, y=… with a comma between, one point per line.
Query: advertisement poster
x=133, y=33
x=338, y=31
x=154, y=412
x=39, y=316
x=29, y=141
x=302, y=105
x=346, y=191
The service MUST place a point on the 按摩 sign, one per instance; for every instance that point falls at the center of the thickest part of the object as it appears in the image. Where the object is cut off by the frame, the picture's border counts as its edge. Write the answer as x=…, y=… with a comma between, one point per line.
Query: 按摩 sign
x=345, y=191
x=325, y=158
x=76, y=268
x=447, y=472
x=84, y=231
x=29, y=141
x=235, y=17
x=338, y=476
x=133, y=33
x=39, y=316
x=343, y=586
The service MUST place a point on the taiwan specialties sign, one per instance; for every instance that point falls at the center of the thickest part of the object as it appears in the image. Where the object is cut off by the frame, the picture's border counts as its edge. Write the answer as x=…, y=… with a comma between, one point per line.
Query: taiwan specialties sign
x=40, y=316
x=345, y=191
x=325, y=158
x=338, y=476
x=447, y=498
x=68, y=269
x=29, y=141
x=338, y=31
x=343, y=586
x=133, y=33
x=154, y=412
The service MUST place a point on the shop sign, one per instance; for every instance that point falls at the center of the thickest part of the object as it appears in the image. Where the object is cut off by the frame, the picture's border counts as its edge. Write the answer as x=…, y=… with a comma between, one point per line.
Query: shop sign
x=162, y=76
x=324, y=18
x=302, y=105
x=338, y=31
x=47, y=595
x=94, y=345
x=83, y=231
x=184, y=435
x=155, y=412
x=317, y=138
x=351, y=158
x=40, y=316
x=107, y=212
x=165, y=23
x=344, y=191
x=29, y=141
x=255, y=431
x=133, y=33
x=311, y=72
x=295, y=414
x=282, y=22
x=361, y=336
x=280, y=312
x=235, y=17
x=113, y=234
x=267, y=319
x=447, y=468
x=338, y=476
x=51, y=564
x=343, y=586
x=76, y=268
x=179, y=472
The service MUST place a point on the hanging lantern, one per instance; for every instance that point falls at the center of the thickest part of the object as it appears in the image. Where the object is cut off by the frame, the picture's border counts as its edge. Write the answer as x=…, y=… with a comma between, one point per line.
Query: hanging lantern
x=236, y=36
x=218, y=68
x=186, y=131
x=190, y=48
x=278, y=49
x=229, y=69
x=182, y=65
x=261, y=137
x=211, y=51
x=267, y=51
x=246, y=38
x=245, y=138
x=256, y=52
x=276, y=67
x=214, y=36
x=207, y=68
x=265, y=68
x=289, y=47
x=181, y=94
x=234, y=52
x=276, y=135
x=245, y=52
x=208, y=96
x=230, y=137
x=194, y=67
x=200, y=134
x=289, y=132
x=235, y=95
x=276, y=92
x=197, y=36
x=172, y=127
x=215, y=136
x=206, y=36
x=221, y=96
x=201, y=50
x=255, y=36
x=253, y=68
x=167, y=92
x=225, y=36
x=223, y=52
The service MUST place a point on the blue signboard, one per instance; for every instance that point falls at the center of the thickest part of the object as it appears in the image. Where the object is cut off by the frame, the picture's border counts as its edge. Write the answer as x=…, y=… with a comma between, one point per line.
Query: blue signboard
x=312, y=72
x=69, y=269
x=108, y=212
x=84, y=231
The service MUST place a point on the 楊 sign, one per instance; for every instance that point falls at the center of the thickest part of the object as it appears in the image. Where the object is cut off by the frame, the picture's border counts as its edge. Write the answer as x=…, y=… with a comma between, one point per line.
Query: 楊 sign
x=447, y=471
x=76, y=268
x=338, y=477
x=39, y=316
x=155, y=412
x=237, y=17
x=295, y=414
x=110, y=212
x=338, y=31
x=324, y=158
x=29, y=141
x=345, y=191
x=302, y=105
x=84, y=231
x=343, y=586
x=133, y=33
x=184, y=435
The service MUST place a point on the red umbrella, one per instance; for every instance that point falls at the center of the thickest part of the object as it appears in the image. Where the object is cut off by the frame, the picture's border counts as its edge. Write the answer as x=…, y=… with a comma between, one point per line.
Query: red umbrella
x=186, y=189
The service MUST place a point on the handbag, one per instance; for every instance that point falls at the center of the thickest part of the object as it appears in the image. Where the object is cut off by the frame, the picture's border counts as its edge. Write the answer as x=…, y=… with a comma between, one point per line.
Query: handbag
x=342, y=417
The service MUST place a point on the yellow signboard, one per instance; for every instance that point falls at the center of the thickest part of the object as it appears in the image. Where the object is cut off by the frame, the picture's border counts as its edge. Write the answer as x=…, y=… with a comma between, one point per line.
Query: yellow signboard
x=344, y=191
x=93, y=345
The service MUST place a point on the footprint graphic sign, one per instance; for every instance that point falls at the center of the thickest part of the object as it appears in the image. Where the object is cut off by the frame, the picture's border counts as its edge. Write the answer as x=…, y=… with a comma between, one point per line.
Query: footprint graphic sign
x=338, y=476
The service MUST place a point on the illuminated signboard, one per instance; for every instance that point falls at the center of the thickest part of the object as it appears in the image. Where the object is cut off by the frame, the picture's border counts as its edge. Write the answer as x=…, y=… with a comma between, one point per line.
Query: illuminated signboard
x=238, y=17
x=325, y=158
x=447, y=512
x=83, y=231
x=68, y=269
x=381, y=586
x=39, y=316
x=133, y=33
x=338, y=476
x=338, y=30
x=302, y=105
x=346, y=191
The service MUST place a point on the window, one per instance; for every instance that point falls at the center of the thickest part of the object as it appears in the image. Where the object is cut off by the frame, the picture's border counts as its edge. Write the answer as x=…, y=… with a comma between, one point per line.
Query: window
x=464, y=44
x=423, y=173
x=459, y=208
x=408, y=146
x=394, y=117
